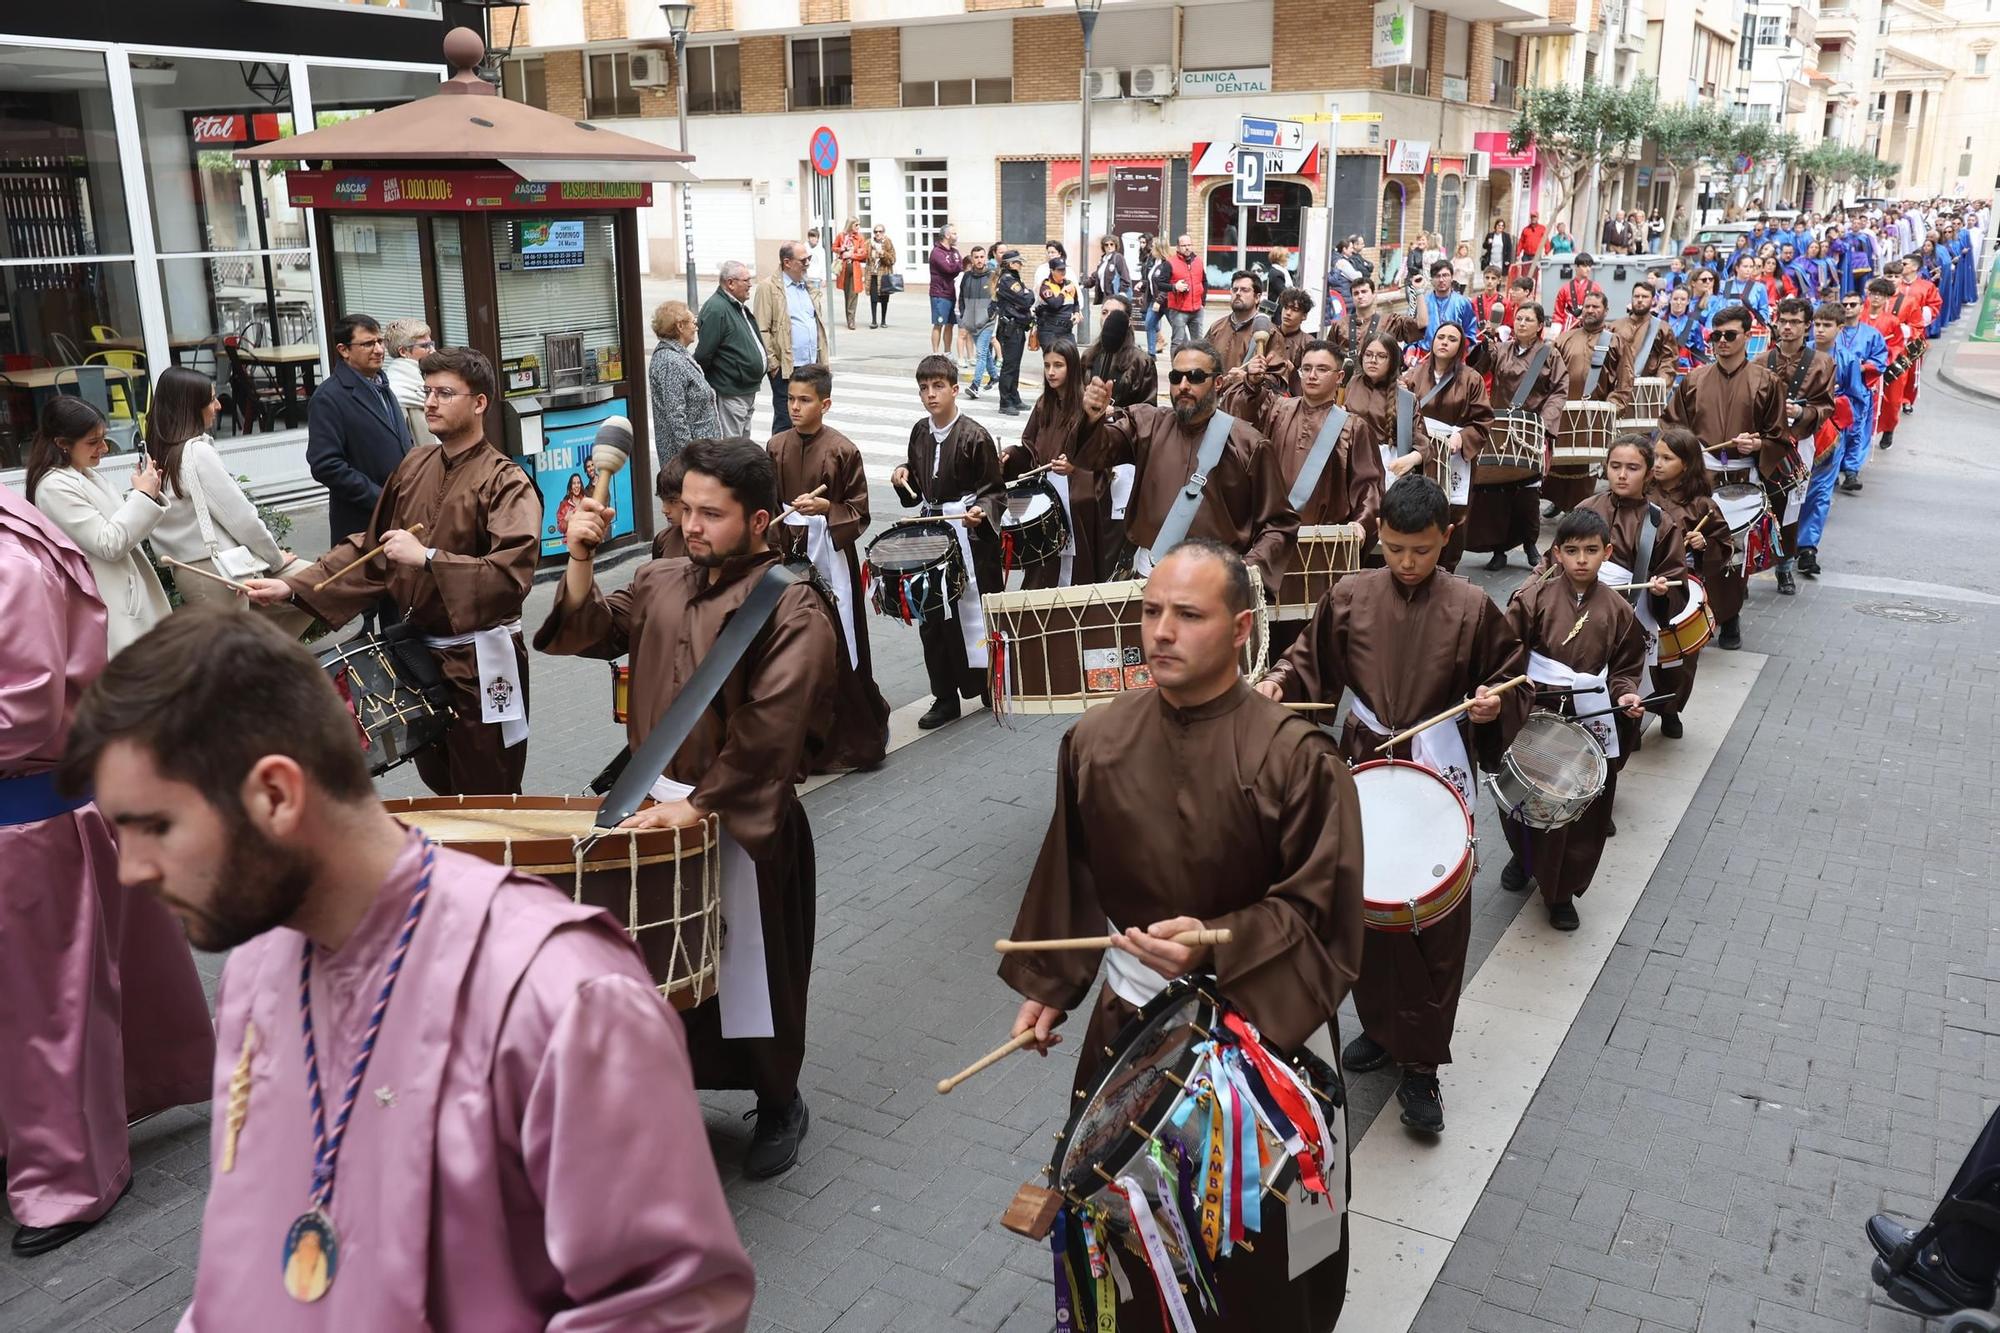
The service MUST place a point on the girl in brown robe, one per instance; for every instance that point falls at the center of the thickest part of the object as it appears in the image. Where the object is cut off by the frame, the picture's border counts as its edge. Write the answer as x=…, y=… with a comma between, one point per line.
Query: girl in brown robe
x=1370, y=397
x=1681, y=487
x=1509, y=514
x=1450, y=391
x=1051, y=434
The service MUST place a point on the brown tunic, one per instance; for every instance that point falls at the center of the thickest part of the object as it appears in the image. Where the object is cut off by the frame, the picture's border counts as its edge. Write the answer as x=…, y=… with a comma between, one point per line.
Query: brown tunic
x=1509, y=515
x=1134, y=376
x=1630, y=333
x=860, y=715
x=1349, y=334
x=1375, y=404
x=1289, y=348
x=1462, y=402
x=1052, y=432
x=1236, y=342
x=1577, y=345
x=1237, y=812
x=1409, y=654
x=1545, y=614
x=669, y=543
x=1349, y=489
x=480, y=511
x=964, y=464
x=1243, y=505
x=751, y=746
x=1815, y=396
x=1723, y=586
x=1719, y=404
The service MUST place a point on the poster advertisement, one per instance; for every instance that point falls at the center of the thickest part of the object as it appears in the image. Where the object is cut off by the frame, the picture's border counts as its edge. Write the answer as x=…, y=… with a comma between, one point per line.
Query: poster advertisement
x=548, y=243
x=563, y=473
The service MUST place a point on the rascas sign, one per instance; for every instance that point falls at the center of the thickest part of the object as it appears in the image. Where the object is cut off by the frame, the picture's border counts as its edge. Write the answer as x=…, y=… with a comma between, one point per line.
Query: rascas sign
x=454, y=191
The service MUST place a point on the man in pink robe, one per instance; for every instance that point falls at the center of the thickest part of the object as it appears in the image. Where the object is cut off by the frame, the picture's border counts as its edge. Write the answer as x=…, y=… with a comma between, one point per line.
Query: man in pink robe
x=524, y=1148
x=84, y=966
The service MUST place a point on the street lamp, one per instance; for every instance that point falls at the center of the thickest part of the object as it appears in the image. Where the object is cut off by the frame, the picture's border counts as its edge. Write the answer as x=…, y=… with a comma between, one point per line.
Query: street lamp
x=678, y=14
x=1086, y=14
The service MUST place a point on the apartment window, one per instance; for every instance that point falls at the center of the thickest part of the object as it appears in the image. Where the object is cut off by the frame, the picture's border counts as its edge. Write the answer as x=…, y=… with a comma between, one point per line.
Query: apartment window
x=608, y=90
x=1878, y=66
x=715, y=80
x=864, y=194
x=958, y=64
x=1965, y=164
x=822, y=71
x=523, y=80
x=1759, y=113
x=1746, y=48
x=1770, y=30
x=1412, y=79
x=957, y=92
x=1979, y=63
x=1503, y=83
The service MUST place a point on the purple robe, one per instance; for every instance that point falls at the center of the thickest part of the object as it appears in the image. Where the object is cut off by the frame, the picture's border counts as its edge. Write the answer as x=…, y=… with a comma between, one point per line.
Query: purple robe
x=102, y=1017
x=526, y=1153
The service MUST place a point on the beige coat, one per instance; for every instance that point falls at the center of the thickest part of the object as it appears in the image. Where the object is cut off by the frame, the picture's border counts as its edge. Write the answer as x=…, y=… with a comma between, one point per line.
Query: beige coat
x=774, y=322
x=109, y=530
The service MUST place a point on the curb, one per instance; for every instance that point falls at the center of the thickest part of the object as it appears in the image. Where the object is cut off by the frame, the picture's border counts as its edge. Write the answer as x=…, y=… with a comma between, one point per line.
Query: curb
x=1958, y=382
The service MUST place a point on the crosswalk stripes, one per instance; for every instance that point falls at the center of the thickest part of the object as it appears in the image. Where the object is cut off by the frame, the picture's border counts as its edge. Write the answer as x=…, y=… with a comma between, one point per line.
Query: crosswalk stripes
x=877, y=411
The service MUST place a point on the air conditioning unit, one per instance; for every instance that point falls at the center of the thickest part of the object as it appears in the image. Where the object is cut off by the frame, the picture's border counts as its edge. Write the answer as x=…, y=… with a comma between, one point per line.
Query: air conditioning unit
x=1153, y=81
x=1104, y=84
x=650, y=69
x=1479, y=164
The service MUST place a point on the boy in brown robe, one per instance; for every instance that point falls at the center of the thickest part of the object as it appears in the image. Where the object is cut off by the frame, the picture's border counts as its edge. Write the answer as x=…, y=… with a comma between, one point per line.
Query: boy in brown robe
x=1410, y=642
x=1596, y=374
x=742, y=760
x=670, y=543
x=1201, y=804
x=1577, y=633
x=953, y=461
x=463, y=577
x=1808, y=376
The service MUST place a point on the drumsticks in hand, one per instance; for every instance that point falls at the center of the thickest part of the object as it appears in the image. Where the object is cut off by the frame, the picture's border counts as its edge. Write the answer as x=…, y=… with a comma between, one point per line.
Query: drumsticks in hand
x=1447, y=715
x=1188, y=937
x=231, y=584
x=992, y=1057
x=413, y=530
x=791, y=509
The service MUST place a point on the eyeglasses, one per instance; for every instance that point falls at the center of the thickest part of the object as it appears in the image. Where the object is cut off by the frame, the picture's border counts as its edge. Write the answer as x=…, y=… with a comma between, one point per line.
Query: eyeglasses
x=426, y=342
x=1726, y=335
x=442, y=395
x=1190, y=376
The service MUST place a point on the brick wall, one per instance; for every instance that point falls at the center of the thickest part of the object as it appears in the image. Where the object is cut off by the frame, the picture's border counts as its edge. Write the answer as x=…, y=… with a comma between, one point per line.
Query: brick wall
x=1048, y=58
x=603, y=20
x=1435, y=57
x=878, y=67
x=714, y=16
x=761, y=61
x=563, y=71
x=1336, y=56
x=1479, y=64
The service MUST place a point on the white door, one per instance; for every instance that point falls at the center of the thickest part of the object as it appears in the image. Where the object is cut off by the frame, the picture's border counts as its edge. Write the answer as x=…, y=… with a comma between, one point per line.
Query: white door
x=725, y=226
x=926, y=210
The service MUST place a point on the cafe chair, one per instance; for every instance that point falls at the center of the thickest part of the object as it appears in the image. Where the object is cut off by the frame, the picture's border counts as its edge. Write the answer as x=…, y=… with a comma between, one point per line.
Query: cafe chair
x=64, y=351
x=90, y=383
x=131, y=395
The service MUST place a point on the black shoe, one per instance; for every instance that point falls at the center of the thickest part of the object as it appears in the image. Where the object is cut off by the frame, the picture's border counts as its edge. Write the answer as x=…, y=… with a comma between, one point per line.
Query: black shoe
x=1928, y=1285
x=1363, y=1054
x=1850, y=483
x=1732, y=637
x=1499, y=560
x=1563, y=916
x=1787, y=585
x=1809, y=561
x=1888, y=440
x=1514, y=876
x=774, y=1144
x=31, y=1241
x=1550, y=510
x=1909, y=409
x=1534, y=556
x=1009, y=410
x=1610, y=828
x=941, y=712
x=1670, y=726
x=972, y=392
x=1423, y=1102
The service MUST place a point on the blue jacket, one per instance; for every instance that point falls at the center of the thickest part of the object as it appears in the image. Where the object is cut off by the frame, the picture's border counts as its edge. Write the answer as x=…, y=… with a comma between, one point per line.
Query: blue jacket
x=1865, y=345
x=1453, y=309
x=355, y=436
x=1733, y=293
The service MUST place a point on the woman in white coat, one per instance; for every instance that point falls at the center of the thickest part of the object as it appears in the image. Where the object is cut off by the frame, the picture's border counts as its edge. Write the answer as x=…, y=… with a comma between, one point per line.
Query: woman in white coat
x=209, y=521
x=63, y=483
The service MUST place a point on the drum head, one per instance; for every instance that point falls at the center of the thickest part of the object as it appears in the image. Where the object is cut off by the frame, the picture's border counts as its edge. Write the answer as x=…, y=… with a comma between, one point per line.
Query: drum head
x=1559, y=756
x=913, y=547
x=1415, y=827
x=1697, y=594
x=1026, y=506
x=1740, y=503
x=1134, y=1088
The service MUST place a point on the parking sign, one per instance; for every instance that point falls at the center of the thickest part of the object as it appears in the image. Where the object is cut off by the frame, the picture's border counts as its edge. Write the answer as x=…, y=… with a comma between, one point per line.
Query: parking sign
x=1250, y=169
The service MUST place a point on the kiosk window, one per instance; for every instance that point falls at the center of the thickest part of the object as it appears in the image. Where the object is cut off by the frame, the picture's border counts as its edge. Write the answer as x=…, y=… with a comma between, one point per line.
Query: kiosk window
x=558, y=276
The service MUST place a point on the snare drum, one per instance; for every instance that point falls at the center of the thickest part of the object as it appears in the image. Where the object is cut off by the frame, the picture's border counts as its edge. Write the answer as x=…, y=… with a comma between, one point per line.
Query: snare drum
x=1645, y=426
x=916, y=571
x=1514, y=450
x=1691, y=629
x=1649, y=398
x=1587, y=428
x=1418, y=832
x=1033, y=529
x=1550, y=774
x=662, y=886
x=1325, y=553
x=393, y=686
x=1060, y=650
x=621, y=692
x=1760, y=342
x=1742, y=504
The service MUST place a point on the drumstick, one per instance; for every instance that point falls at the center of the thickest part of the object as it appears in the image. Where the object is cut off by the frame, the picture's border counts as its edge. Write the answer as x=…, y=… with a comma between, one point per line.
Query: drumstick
x=931, y=518
x=231, y=584
x=791, y=509
x=1032, y=472
x=1700, y=525
x=992, y=1057
x=1309, y=708
x=1106, y=941
x=1447, y=715
x=1641, y=587
x=1649, y=699
x=413, y=530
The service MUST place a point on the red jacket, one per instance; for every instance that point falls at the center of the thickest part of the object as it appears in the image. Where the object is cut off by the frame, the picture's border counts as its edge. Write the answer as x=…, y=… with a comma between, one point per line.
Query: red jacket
x=1195, y=275
x=1569, y=300
x=1918, y=298
x=1533, y=237
x=1890, y=326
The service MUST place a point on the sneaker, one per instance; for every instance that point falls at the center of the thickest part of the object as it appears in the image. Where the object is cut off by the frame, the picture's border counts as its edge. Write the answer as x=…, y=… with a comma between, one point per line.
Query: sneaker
x=1732, y=637
x=1563, y=916
x=1670, y=726
x=1423, y=1102
x=941, y=712
x=1514, y=876
x=972, y=392
x=774, y=1144
x=1363, y=1054
x=1809, y=561
x=1888, y=440
x=1499, y=561
x=1009, y=410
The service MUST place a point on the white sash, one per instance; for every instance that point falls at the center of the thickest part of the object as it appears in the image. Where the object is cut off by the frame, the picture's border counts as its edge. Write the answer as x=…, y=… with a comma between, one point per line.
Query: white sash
x=1612, y=574
x=1060, y=484
x=971, y=620
x=1122, y=477
x=742, y=983
x=826, y=558
x=1441, y=749
x=1590, y=693
x=501, y=699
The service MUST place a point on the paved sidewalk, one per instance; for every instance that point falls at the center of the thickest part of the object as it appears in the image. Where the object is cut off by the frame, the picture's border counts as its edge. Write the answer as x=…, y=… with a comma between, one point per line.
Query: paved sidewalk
x=1970, y=367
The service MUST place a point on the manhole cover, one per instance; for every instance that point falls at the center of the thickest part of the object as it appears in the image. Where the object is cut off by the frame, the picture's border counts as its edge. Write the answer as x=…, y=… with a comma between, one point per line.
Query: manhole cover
x=1908, y=612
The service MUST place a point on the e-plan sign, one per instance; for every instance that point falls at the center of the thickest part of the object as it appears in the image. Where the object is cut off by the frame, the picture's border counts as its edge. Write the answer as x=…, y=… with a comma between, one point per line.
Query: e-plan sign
x=1250, y=173
x=1257, y=132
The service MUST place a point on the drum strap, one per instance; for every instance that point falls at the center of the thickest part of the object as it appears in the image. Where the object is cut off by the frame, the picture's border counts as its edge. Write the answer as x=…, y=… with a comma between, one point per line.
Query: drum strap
x=1315, y=464
x=1181, y=517
x=1597, y=358
x=664, y=741
x=1438, y=388
x=1642, y=559
x=1406, y=419
x=1529, y=377
x=1646, y=347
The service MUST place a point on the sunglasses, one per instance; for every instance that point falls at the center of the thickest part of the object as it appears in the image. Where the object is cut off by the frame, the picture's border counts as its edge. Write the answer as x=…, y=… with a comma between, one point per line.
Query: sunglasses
x=1727, y=335
x=1190, y=376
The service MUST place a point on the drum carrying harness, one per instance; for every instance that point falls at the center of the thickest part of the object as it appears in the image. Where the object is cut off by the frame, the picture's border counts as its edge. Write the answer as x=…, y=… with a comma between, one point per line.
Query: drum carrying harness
x=1598, y=355
x=1181, y=517
x=1315, y=464
x=1529, y=377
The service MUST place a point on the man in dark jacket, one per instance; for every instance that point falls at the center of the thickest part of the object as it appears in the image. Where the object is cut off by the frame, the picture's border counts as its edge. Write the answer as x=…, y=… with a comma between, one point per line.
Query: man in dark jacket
x=355, y=430
x=729, y=351
x=1016, y=306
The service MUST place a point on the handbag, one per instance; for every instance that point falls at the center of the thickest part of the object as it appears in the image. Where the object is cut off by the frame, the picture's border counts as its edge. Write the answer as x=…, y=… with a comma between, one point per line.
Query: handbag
x=895, y=282
x=235, y=562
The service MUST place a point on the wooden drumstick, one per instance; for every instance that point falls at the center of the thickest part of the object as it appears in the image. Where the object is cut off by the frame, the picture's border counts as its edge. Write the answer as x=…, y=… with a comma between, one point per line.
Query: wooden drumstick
x=930, y=518
x=992, y=1057
x=1641, y=587
x=1032, y=473
x=231, y=584
x=1311, y=708
x=351, y=565
x=1447, y=715
x=610, y=450
x=1189, y=937
x=791, y=509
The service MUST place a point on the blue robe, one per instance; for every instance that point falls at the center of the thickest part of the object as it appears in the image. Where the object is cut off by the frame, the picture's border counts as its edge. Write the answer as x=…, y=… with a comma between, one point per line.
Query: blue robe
x=1965, y=267
x=1454, y=309
x=1858, y=263
x=1689, y=334
x=1935, y=273
x=1733, y=292
x=1804, y=274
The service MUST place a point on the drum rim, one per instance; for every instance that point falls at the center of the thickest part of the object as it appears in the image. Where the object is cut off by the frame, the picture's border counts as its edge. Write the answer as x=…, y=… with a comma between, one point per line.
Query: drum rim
x=1509, y=769
x=613, y=848
x=1464, y=863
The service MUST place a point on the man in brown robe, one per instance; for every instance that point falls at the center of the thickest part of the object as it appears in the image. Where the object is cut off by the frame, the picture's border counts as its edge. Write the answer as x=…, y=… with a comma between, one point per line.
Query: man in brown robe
x=1572, y=627
x=1596, y=367
x=1118, y=357
x=953, y=462
x=1808, y=376
x=1410, y=642
x=1630, y=333
x=1364, y=320
x=1349, y=488
x=1200, y=804
x=1733, y=403
x=1504, y=515
x=809, y=456
x=1234, y=335
x=1242, y=505
x=742, y=760
x=465, y=575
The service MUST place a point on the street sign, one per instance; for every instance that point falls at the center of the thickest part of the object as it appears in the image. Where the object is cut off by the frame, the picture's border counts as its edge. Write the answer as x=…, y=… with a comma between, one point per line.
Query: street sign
x=1360, y=117
x=1250, y=168
x=1258, y=132
x=825, y=151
